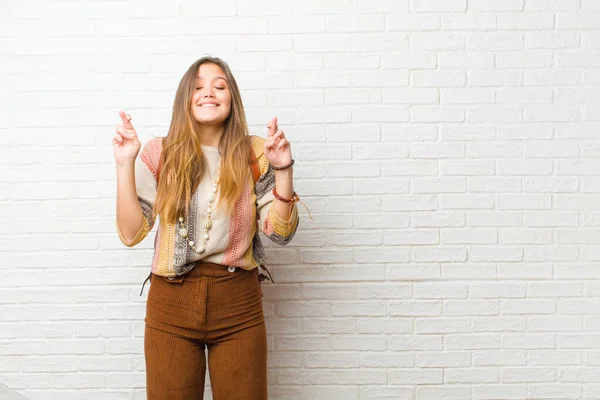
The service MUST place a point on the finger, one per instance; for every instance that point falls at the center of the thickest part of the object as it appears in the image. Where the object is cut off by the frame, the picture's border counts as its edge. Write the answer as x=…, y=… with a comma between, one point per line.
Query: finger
x=279, y=134
x=269, y=143
x=117, y=139
x=126, y=118
x=283, y=143
x=272, y=126
x=126, y=133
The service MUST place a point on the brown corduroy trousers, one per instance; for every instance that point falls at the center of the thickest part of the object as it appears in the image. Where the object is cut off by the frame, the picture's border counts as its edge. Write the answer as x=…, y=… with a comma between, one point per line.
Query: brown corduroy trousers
x=209, y=307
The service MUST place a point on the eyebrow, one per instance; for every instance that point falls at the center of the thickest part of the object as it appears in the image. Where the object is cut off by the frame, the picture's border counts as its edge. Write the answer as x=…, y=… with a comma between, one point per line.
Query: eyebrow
x=218, y=77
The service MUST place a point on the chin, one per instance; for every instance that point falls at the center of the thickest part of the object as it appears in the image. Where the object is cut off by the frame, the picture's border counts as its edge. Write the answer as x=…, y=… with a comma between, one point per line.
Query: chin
x=210, y=121
x=207, y=119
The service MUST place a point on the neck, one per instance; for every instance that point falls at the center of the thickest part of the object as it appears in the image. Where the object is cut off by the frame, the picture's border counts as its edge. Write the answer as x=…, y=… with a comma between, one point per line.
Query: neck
x=211, y=135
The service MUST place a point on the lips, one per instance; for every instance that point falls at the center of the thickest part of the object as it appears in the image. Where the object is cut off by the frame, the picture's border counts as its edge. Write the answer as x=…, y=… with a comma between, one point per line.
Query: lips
x=209, y=105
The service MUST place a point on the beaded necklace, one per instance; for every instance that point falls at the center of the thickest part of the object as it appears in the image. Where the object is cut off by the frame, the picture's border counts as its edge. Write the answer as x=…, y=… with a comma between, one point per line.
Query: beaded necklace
x=183, y=230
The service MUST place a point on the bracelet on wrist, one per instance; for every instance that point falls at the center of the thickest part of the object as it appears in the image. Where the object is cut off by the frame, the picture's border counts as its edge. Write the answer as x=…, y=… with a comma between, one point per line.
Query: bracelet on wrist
x=294, y=198
x=283, y=167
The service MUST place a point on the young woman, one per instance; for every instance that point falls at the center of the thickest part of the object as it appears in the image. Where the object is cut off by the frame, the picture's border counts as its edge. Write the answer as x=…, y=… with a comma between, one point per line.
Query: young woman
x=213, y=187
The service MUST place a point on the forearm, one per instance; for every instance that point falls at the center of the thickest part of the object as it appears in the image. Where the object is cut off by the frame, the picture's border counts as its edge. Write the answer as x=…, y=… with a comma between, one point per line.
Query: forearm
x=284, y=185
x=129, y=211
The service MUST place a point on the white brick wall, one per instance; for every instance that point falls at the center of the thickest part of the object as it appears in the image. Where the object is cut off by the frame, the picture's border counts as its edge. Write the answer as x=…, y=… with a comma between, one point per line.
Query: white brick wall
x=448, y=151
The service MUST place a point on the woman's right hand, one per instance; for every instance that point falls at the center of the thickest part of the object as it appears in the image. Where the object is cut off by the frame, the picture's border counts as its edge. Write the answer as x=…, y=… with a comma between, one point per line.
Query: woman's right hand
x=126, y=144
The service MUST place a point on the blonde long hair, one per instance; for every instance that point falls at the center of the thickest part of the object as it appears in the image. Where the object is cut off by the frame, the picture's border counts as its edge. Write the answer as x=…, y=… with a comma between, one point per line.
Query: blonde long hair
x=182, y=161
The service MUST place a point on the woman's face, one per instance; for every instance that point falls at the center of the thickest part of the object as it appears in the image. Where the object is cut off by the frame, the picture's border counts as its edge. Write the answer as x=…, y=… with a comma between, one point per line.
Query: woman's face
x=211, y=101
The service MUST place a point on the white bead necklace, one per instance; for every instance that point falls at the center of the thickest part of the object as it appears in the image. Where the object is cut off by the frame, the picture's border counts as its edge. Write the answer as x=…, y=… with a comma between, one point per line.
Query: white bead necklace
x=183, y=230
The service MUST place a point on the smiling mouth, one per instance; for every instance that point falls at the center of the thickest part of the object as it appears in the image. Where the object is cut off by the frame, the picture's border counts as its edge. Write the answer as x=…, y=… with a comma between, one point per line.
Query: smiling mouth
x=208, y=105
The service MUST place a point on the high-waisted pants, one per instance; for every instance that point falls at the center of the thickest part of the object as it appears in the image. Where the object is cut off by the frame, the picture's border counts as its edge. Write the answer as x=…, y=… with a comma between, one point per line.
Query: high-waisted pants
x=213, y=307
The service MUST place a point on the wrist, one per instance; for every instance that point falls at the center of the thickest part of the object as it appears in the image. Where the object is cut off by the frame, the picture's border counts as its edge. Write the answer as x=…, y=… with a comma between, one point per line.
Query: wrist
x=284, y=172
x=292, y=198
x=283, y=167
x=125, y=166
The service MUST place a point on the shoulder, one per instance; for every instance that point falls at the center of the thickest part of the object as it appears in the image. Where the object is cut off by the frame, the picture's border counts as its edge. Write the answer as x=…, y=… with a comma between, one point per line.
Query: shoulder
x=257, y=144
x=258, y=147
x=150, y=153
x=154, y=145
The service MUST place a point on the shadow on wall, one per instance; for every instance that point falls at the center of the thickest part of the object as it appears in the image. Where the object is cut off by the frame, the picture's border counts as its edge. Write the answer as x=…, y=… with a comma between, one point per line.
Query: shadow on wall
x=7, y=394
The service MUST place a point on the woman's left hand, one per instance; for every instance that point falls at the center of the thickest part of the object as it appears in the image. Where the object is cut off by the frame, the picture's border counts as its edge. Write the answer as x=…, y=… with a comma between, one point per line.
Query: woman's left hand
x=277, y=147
